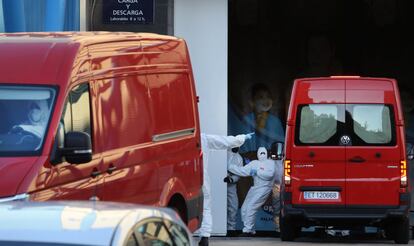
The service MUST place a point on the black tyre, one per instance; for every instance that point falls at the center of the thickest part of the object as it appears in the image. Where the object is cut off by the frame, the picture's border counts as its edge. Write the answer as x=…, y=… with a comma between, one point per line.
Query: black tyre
x=287, y=229
x=401, y=231
x=389, y=233
x=180, y=209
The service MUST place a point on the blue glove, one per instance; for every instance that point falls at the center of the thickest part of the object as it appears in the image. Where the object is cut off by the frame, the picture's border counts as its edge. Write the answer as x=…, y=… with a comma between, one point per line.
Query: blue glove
x=253, y=172
x=249, y=135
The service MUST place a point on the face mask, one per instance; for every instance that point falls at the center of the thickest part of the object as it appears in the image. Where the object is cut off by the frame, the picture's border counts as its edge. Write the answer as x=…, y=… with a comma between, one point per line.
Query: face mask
x=262, y=154
x=263, y=105
x=35, y=116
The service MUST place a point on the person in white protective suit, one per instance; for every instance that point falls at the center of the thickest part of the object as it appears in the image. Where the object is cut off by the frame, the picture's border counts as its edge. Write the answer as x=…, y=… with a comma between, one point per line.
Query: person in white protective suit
x=208, y=143
x=263, y=172
x=276, y=186
x=233, y=158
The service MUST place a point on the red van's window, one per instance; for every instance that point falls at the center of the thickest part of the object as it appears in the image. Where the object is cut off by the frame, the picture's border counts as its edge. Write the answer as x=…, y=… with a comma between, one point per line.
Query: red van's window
x=318, y=124
x=25, y=112
x=372, y=123
x=363, y=124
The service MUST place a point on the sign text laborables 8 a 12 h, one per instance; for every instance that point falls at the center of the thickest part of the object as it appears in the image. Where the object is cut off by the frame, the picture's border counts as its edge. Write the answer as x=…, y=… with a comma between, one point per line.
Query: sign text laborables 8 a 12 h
x=128, y=11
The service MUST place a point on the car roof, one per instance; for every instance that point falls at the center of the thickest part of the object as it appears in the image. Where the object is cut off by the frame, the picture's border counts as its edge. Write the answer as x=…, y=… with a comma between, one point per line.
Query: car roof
x=79, y=37
x=49, y=58
x=74, y=222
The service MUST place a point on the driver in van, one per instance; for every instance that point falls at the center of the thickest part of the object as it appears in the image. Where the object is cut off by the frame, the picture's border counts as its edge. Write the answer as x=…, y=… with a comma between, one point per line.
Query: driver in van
x=36, y=119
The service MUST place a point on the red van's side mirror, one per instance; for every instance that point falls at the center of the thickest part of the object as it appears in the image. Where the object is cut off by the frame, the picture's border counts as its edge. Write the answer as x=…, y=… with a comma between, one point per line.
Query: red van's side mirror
x=276, y=151
x=78, y=148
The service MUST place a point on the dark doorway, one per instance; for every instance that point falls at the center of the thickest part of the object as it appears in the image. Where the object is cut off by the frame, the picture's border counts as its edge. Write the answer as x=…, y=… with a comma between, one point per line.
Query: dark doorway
x=272, y=42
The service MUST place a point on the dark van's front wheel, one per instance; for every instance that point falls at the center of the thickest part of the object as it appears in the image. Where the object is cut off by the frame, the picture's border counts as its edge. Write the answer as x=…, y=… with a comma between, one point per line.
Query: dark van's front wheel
x=402, y=231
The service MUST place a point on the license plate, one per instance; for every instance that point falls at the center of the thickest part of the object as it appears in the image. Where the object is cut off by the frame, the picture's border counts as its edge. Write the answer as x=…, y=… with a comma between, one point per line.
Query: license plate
x=321, y=195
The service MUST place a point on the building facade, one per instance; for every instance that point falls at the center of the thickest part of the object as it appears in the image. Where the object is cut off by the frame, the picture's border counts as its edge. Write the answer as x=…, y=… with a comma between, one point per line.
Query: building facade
x=203, y=24
x=239, y=45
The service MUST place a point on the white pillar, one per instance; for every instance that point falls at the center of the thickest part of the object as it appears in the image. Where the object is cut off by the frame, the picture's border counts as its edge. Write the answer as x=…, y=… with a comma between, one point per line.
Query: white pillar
x=82, y=15
x=203, y=24
x=1, y=17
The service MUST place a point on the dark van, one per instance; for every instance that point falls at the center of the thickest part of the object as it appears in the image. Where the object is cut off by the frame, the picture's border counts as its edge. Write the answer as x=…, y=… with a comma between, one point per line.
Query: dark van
x=345, y=158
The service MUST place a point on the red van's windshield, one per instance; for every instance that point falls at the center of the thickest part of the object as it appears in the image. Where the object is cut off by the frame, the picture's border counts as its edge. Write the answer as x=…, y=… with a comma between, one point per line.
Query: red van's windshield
x=364, y=124
x=25, y=112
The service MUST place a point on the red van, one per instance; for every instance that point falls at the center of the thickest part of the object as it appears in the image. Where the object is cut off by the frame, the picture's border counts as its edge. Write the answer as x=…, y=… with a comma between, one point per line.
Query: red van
x=108, y=116
x=345, y=158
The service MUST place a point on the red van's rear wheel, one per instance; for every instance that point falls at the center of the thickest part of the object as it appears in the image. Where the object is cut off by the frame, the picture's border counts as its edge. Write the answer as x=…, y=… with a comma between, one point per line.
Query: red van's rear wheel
x=401, y=231
x=288, y=229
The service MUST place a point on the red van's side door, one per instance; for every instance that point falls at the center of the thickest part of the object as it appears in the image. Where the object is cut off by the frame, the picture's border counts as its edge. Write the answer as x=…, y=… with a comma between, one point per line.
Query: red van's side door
x=372, y=175
x=129, y=158
x=373, y=157
x=317, y=159
x=65, y=181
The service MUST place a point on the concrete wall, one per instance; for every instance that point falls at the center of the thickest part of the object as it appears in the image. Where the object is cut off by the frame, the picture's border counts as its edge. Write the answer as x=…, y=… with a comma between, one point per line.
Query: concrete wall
x=203, y=24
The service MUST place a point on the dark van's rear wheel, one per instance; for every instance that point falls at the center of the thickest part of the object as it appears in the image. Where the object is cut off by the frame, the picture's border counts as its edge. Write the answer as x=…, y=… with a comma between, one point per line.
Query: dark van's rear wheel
x=401, y=231
x=288, y=230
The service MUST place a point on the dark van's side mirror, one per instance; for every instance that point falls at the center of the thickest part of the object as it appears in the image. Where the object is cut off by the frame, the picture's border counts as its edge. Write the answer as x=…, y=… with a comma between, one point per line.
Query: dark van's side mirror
x=78, y=147
x=276, y=150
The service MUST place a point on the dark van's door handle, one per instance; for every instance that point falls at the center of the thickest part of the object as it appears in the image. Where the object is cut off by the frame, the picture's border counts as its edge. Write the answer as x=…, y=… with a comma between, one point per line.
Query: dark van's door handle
x=357, y=159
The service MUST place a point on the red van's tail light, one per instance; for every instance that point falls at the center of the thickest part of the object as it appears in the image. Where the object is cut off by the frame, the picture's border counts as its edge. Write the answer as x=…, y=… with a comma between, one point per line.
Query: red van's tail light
x=287, y=172
x=403, y=170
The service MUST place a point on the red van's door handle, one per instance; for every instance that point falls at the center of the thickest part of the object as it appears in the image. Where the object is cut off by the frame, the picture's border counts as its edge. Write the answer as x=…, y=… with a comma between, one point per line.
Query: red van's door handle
x=95, y=173
x=111, y=169
x=357, y=159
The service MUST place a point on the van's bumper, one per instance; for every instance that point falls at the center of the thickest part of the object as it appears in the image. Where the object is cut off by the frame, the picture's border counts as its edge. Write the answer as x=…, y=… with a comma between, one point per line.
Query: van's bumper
x=333, y=214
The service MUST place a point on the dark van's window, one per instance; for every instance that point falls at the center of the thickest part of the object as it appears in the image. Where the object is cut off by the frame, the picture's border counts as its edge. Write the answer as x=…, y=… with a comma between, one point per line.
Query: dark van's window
x=372, y=123
x=318, y=124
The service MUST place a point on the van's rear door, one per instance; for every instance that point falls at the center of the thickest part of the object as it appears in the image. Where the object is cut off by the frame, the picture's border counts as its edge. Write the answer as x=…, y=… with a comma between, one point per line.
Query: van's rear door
x=373, y=156
x=317, y=158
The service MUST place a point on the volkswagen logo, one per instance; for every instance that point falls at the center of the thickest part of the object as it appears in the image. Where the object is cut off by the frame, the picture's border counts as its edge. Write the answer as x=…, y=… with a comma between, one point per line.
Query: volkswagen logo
x=345, y=140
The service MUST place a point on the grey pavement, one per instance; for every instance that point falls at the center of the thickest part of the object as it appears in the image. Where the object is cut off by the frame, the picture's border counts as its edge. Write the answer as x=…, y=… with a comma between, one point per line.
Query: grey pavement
x=227, y=241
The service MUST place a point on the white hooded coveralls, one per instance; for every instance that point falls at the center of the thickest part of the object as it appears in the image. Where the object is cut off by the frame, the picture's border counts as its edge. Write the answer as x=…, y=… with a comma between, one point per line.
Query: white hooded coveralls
x=262, y=187
x=276, y=192
x=232, y=199
x=213, y=142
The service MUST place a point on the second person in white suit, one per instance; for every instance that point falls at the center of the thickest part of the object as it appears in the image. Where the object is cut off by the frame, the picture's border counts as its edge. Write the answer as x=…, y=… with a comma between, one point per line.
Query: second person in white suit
x=263, y=172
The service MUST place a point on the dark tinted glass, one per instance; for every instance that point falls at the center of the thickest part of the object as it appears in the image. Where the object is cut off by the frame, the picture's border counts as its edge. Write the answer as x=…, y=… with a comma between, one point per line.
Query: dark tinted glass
x=362, y=124
x=81, y=114
x=178, y=233
x=319, y=124
x=154, y=233
x=25, y=112
x=371, y=124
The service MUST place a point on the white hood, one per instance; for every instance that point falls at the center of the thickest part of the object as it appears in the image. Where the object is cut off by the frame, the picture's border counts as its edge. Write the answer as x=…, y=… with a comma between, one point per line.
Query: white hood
x=262, y=154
